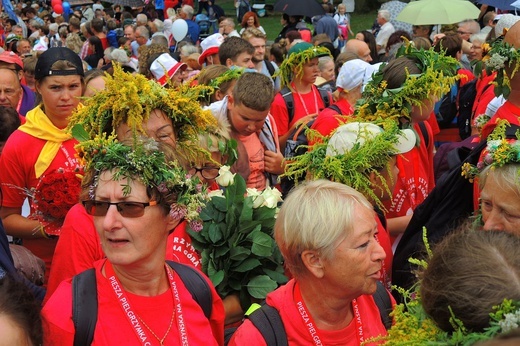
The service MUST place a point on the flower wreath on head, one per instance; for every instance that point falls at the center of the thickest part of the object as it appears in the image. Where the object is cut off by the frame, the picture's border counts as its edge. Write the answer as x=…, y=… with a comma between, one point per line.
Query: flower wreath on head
x=351, y=168
x=499, y=151
x=233, y=73
x=131, y=98
x=412, y=326
x=438, y=74
x=144, y=161
x=296, y=61
x=500, y=58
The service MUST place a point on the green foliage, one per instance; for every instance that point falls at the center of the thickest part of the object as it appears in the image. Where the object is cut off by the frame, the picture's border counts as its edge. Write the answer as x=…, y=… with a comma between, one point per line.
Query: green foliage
x=238, y=251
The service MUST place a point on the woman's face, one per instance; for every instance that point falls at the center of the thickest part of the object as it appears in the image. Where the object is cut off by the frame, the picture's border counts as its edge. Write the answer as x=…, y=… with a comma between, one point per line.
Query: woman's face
x=159, y=127
x=328, y=72
x=207, y=171
x=251, y=21
x=360, y=36
x=94, y=86
x=475, y=52
x=130, y=240
x=60, y=96
x=500, y=207
x=423, y=112
x=355, y=266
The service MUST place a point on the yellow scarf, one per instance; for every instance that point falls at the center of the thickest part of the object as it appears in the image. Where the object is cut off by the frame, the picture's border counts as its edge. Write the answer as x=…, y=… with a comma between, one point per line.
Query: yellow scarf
x=38, y=125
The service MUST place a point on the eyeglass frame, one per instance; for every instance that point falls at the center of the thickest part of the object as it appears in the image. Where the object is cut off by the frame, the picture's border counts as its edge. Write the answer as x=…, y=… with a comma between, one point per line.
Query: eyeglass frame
x=201, y=170
x=120, y=210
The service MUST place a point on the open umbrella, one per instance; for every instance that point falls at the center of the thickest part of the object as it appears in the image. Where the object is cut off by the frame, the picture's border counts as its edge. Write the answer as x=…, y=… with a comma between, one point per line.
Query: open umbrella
x=129, y=3
x=505, y=5
x=306, y=8
x=395, y=7
x=431, y=12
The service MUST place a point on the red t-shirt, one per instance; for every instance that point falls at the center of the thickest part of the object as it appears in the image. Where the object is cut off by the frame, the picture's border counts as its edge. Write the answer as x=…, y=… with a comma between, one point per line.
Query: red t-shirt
x=297, y=331
x=507, y=111
x=17, y=172
x=415, y=179
x=113, y=326
x=79, y=247
x=313, y=105
x=328, y=120
x=485, y=93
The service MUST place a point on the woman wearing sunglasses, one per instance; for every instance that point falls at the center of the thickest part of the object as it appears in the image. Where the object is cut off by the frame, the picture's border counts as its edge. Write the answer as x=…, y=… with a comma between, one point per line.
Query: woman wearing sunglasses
x=137, y=195
x=136, y=107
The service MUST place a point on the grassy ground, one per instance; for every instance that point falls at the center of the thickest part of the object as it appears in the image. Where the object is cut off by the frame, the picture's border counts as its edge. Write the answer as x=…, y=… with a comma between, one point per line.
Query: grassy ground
x=271, y=23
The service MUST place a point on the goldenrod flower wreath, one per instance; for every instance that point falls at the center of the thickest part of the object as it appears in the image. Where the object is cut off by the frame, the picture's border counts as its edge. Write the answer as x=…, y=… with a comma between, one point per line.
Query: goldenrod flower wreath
x=438, y=74
x=131, y=98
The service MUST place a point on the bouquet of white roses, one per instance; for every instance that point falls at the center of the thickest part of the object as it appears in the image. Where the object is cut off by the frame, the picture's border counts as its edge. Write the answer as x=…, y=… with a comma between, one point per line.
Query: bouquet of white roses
x=236, y=244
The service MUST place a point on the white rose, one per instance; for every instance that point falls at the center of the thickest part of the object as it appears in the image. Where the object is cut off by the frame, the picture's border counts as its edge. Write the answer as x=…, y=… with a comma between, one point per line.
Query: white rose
x=258, y=199
x=216, y=193
x=225, y=177
x=271, y=196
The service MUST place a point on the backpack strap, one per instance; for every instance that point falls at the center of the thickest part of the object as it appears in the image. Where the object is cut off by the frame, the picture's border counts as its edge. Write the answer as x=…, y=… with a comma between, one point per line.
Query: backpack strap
x=269, y=67
x=424, y=132
x=196, y=284
x=325, y=96
x=84, y=307
x=289, y=101
x=269, y=323
x=384, y=304
x=335, y=108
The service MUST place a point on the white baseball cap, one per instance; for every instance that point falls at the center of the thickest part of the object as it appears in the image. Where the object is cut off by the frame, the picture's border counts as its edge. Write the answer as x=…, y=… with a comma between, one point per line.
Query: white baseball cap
x=164, y=67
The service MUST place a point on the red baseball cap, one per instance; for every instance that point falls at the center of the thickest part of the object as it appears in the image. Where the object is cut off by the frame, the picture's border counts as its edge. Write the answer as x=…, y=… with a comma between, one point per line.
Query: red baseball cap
x=11, y=58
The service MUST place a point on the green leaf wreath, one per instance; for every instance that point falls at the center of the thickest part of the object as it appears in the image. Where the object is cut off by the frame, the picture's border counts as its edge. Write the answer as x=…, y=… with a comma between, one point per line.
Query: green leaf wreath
x=236, y=244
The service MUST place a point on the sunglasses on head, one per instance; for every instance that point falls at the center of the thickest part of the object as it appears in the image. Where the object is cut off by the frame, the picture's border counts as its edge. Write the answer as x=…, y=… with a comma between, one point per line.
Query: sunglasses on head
x=126, y=209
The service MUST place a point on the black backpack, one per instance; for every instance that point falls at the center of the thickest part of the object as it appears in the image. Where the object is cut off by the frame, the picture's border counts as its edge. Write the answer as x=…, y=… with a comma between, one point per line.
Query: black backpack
x=288, y=97
x=448, y=205
x=85, y=303
x=297, y=139
x=269, y=322
x=467, y=96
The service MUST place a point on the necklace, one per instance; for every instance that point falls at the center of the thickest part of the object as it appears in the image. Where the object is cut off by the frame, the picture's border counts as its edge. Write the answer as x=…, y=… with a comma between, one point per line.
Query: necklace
x=303, y=103
x=161, y=341
x=135, y=321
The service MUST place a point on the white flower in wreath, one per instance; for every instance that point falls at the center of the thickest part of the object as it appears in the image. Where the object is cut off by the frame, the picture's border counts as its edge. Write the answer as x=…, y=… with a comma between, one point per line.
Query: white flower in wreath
x=225, y=177
x=272, y=196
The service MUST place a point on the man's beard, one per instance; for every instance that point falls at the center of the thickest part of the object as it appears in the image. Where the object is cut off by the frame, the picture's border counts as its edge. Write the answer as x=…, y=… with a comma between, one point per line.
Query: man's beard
x=255, y=60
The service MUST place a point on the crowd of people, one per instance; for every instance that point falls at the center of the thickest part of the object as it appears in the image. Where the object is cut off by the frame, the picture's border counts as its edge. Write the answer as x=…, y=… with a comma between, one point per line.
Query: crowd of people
x=115, y=132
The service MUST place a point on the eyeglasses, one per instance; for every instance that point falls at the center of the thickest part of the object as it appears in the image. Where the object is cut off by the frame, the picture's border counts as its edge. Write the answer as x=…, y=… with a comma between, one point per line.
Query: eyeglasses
x=126, y=209
x=460, y=32
x=207, y=172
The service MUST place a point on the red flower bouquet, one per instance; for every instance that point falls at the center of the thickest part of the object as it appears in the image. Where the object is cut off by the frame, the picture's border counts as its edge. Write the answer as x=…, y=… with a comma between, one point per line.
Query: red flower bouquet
x=52, y=198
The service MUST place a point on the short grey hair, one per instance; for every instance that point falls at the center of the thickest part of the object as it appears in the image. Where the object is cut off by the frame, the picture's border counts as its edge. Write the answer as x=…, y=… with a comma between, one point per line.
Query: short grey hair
x=385, y=14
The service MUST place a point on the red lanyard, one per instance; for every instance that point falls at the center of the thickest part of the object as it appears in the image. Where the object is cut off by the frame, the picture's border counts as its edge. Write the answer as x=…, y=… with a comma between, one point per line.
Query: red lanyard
x=132, y=317
x=309, y=321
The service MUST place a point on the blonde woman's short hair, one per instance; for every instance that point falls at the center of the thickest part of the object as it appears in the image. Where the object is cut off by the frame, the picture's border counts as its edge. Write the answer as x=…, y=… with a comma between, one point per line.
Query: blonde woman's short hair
x=315, y=216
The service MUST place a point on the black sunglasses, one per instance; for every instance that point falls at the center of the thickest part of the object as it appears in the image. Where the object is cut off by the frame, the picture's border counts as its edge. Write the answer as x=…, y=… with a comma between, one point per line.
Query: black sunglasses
x=207, y=172
x=126, y=209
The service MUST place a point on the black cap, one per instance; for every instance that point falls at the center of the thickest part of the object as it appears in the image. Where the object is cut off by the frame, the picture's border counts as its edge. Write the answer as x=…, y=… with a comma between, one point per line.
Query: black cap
x=51, y=56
